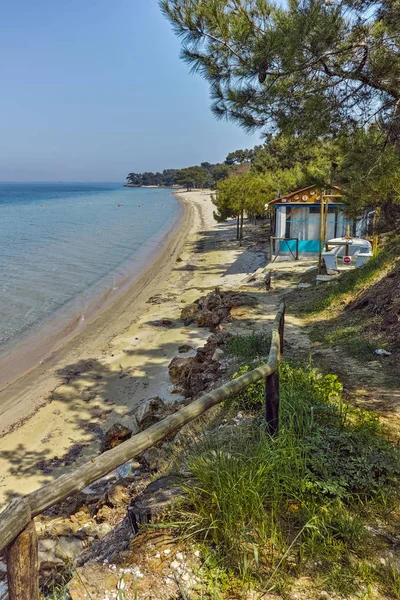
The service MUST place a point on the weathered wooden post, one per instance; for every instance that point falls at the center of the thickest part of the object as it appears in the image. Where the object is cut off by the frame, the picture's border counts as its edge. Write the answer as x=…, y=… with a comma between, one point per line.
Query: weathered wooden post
x=281, y=332
x=272, y=380
x=22, y=565
x=272, y=403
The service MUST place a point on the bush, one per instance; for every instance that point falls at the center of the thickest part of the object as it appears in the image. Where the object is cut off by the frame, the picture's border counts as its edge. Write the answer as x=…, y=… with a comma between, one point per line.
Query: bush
x=273, y=507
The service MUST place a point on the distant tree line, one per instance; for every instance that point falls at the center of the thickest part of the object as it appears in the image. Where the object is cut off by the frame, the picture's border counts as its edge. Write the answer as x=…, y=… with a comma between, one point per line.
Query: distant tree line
x=205, y=175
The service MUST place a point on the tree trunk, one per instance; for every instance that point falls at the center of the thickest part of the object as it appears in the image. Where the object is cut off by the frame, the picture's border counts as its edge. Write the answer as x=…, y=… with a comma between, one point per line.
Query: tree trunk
x=237, y=228
x=241, y=226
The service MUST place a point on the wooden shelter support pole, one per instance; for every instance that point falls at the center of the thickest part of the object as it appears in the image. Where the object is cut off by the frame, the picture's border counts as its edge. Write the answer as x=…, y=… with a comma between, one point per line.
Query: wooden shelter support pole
x=321, y=233
x=23, y=566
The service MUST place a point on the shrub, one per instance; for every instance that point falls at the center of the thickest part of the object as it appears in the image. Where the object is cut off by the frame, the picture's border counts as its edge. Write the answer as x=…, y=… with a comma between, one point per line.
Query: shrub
x=273, y=507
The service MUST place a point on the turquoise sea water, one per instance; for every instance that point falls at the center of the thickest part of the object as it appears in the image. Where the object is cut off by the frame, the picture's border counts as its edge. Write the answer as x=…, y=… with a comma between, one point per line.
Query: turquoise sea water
x=63, y=245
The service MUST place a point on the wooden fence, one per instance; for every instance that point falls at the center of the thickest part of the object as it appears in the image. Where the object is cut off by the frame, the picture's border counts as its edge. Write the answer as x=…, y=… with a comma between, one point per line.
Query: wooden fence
x=17, y=529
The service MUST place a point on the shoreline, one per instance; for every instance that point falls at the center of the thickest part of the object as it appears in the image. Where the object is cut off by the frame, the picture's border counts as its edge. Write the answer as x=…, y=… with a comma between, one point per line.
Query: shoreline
x=132, y=294
x=18, y=357
x=57, y=413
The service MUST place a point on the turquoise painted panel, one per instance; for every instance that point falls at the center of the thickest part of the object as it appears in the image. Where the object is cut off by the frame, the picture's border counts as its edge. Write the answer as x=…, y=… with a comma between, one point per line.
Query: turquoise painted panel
x=304, y=246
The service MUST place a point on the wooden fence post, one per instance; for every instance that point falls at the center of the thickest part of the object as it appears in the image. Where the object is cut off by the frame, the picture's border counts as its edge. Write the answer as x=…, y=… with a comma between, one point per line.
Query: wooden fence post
x=272, y=403
x=281, y=331
x=22, y=565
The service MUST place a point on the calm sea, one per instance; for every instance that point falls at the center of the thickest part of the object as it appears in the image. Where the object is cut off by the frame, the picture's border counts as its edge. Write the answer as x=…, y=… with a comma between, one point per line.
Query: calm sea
x=64, y=245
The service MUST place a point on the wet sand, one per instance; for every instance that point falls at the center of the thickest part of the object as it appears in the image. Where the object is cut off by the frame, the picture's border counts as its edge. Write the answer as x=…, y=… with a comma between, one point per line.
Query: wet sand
x=53, y=417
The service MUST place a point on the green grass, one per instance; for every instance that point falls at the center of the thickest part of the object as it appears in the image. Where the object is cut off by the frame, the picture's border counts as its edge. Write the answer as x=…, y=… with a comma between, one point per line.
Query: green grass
x=249, y=347
x=351, y=338
x=351, y=282
x=269, y=510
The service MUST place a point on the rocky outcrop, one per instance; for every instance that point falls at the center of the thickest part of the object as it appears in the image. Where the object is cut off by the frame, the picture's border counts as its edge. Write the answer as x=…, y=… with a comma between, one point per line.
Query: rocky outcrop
x=114, y=436
x=213, y=309
x=189, y=313
x=180, y=367
x=153, y=410
x=200, y=373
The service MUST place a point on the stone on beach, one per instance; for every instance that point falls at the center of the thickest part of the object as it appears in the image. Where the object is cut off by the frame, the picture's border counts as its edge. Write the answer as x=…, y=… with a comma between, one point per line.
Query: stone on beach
x=179, y=368
x=116, y=435
x=151, y=411
x=189, y=313
x=183, y=348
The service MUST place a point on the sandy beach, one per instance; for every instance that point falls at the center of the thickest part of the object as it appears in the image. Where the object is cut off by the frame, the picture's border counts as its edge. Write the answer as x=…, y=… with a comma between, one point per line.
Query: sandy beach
x=53, y=417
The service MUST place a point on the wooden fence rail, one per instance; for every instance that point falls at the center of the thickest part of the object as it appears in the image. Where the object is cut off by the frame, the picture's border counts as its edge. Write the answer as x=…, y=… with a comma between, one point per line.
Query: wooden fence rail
x=17, y=532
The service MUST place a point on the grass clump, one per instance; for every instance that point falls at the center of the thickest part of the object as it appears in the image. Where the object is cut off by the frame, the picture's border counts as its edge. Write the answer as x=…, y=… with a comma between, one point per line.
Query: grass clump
x=249, y=347
x=349, y=337
x=272, y=509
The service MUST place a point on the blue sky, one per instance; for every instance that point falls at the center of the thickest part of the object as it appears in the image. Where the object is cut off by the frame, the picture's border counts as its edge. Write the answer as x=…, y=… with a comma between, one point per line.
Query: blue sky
x=93, y=89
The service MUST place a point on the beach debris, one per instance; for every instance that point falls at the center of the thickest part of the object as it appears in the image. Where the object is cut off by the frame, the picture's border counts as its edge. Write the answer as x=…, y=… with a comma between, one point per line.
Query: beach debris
x=382, y=352
x=151, y=411
x=303, y=286
x=179, y=368
x=160, y=298
x=183, y=348
x=116, y=435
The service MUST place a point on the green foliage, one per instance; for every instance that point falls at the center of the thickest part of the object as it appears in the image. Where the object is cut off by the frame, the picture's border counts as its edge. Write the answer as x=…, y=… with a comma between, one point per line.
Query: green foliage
x=252, y=397
x=205, y=175
x=246, y=192
x=274, y=508
x=239, y=157
x=369, y=172
x=249, y=347
x=350, y=338
x=300, y=66
x=191, y=177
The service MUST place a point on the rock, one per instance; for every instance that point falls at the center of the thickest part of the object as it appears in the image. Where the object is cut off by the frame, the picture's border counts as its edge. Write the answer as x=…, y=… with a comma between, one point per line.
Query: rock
x=212, y=318
x=116, y=435
x=218, y=354
x=179, y=368
x=157, y=498
x=185, y=348
x=154, y=457
x=189, y=312
x=166, y=322
x=56, y=553
x=118, y=495
x=151, y=411
x=105, y=513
